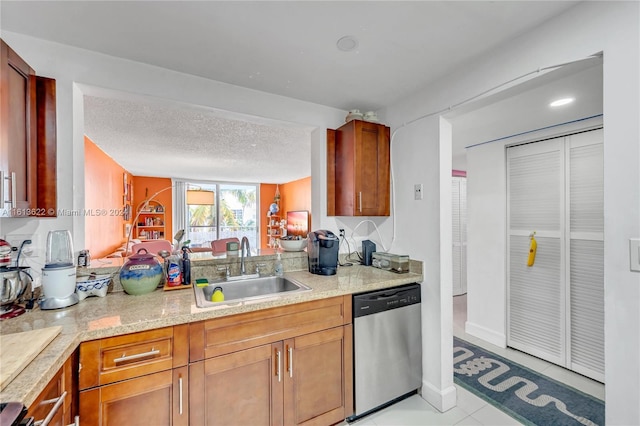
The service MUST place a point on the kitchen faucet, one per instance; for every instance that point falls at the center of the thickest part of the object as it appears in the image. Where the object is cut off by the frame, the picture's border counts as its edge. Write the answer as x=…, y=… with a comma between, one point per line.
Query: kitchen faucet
x=242, y=248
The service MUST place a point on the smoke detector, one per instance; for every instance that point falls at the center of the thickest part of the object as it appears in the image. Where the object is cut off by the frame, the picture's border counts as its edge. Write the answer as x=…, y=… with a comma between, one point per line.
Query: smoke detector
x=347, y=43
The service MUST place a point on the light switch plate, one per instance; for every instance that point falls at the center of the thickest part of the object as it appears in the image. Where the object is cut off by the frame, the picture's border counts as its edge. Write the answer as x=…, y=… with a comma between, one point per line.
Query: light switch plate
x=634, y=254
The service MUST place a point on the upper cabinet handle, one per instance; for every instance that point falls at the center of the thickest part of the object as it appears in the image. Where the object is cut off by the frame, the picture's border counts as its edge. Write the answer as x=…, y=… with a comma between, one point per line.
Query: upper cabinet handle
x=360, y=201
x=14, y=192
x=2, y=178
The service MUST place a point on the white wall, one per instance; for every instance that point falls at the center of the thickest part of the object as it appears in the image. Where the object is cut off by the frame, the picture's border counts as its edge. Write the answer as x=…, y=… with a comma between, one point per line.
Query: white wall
x=588, y=28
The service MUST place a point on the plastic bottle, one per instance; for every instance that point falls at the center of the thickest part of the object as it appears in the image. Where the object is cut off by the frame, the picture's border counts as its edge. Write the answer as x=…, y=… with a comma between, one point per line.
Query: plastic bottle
x=174, y=277
x=278, y=269
x=186, y=266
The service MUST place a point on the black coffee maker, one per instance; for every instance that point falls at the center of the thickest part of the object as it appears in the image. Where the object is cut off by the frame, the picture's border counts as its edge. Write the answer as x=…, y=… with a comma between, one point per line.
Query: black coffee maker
x=322, y=248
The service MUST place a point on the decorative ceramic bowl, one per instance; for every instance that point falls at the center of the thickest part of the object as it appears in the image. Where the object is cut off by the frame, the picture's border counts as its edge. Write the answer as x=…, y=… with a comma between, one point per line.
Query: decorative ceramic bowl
x=293, y=245
x=141, y=274
x=92, y=286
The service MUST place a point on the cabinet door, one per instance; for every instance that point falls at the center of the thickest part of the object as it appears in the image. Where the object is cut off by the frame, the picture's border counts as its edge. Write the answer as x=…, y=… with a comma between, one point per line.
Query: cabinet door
x=57, y=398
x=148, y=400
x=315, y=376
x=47, y=401
x=17, y=132
x=358, y=170
x=241, y=388
x=372, y=170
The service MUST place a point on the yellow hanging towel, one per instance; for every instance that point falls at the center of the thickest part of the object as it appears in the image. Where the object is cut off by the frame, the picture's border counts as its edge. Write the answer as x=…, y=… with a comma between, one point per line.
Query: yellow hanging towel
x=533, y=246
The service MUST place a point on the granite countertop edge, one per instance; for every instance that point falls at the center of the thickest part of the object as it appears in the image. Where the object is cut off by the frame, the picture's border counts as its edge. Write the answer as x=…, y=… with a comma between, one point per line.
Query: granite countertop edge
x=119, y=313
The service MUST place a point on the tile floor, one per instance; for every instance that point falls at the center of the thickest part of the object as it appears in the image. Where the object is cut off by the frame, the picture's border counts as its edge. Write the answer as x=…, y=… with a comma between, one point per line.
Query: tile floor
x=470, y=409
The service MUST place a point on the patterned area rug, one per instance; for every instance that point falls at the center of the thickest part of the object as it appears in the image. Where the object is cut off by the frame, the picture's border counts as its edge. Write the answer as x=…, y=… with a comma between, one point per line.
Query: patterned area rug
x=525, y=395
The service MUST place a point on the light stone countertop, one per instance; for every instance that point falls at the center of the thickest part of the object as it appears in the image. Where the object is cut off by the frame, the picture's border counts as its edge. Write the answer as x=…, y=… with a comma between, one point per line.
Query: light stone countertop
x=119, y=313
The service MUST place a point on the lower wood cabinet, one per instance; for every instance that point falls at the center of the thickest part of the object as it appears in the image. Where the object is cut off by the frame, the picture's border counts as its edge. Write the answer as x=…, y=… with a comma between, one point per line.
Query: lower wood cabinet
x=139, y=378
x=57, y=401
x=240, y=388
x=155, y=399
x=317, y=379
x=287, y=365
x=303, y=380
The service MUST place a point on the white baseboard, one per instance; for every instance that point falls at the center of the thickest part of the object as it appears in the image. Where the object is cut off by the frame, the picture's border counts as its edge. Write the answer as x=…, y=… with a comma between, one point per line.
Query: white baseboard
x=442, y=400
x=486, y=334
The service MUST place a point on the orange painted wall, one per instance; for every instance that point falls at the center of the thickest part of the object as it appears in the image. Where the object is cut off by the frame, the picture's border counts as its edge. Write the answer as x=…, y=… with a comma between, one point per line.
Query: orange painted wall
x=104, y=189
x=144, y=187
x=294, y=195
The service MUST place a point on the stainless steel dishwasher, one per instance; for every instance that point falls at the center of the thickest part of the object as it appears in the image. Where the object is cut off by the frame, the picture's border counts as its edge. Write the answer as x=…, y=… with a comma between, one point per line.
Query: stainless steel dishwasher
x=387, y=345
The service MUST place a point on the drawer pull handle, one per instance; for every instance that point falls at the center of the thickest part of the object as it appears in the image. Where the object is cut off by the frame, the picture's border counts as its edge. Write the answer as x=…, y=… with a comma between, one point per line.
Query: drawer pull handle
x=57, y=404
x=125, y=358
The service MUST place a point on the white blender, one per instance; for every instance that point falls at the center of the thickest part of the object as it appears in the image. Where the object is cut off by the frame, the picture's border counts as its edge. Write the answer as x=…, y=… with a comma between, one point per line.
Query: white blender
x=59, y=272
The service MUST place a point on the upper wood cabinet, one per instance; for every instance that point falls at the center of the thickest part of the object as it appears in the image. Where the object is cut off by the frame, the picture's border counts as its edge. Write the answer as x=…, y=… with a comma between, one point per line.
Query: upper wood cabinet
x=27, y=139
x=358, y=166
x=17, y=132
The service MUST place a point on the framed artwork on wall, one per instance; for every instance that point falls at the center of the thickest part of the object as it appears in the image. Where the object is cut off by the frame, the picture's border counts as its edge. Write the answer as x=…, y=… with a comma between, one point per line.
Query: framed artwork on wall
x=127, y=188
x=126, y=214
x=298, y=223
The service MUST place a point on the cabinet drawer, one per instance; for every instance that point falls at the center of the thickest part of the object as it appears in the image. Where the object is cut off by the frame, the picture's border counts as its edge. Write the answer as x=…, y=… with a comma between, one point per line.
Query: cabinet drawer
x=237, y=332
x=118, y=358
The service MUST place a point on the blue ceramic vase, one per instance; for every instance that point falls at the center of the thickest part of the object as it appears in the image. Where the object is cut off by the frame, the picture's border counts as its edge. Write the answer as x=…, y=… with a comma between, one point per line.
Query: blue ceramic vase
x=141, y=273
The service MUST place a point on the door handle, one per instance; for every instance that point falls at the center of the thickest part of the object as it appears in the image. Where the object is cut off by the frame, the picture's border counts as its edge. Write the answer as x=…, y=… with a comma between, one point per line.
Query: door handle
x=279, y=368
x=180, y=393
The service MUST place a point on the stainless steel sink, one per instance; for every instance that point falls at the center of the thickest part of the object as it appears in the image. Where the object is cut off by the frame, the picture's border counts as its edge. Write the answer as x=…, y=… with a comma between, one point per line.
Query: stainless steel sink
x=237, y=291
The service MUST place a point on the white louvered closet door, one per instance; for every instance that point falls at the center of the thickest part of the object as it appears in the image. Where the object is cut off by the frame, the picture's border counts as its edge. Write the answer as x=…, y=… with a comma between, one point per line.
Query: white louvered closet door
x=535, y=296
x=586, y=253
x=556, y=307
x=459, y=220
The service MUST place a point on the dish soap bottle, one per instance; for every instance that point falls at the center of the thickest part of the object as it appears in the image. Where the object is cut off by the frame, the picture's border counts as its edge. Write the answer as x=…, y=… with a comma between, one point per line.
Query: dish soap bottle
x=278, y=269
x=186, y=266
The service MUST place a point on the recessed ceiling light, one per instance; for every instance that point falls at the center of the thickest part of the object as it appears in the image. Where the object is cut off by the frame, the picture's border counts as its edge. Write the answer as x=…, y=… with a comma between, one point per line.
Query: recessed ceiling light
x=560, y=102
x=347, y=43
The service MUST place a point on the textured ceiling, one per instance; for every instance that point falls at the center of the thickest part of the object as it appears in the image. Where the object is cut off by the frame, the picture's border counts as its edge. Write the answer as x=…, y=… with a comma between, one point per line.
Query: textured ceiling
x=195, y=143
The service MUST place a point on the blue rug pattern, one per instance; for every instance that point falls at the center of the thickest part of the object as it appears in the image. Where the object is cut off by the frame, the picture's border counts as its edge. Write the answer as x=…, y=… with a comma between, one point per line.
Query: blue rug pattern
x=525, y=395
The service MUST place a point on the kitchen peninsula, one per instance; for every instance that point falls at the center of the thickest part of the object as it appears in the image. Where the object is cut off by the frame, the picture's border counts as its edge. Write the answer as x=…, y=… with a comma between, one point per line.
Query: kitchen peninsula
x=119, y=314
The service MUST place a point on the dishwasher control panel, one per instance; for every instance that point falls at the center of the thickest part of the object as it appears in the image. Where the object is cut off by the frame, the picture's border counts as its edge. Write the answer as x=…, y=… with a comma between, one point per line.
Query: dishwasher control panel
x=385, y=299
